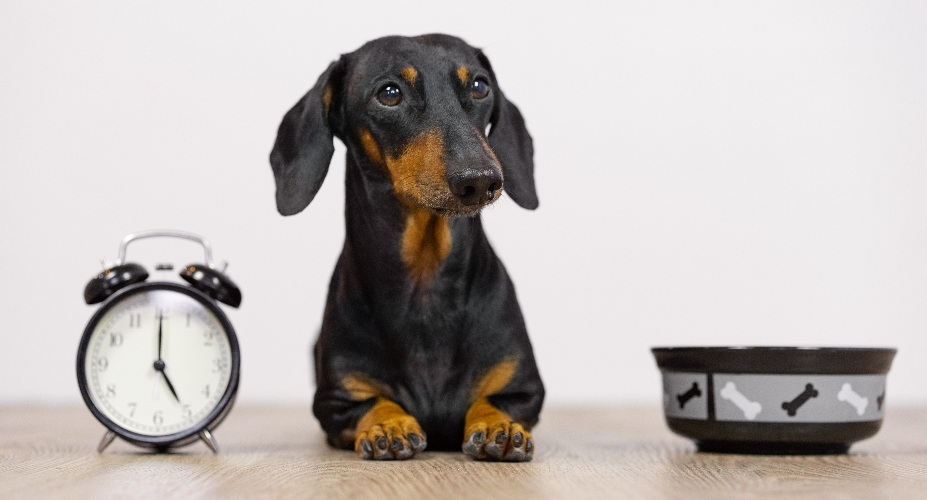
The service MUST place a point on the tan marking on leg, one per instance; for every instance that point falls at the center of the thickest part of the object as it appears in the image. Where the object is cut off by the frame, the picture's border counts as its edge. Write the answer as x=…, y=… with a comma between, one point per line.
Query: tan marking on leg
x=388, y=431
x=410, y=74
x=495, y=379
x=491, y=434
x=463, y=74
x=382, y=411
x=361, y=387
x=484, y=415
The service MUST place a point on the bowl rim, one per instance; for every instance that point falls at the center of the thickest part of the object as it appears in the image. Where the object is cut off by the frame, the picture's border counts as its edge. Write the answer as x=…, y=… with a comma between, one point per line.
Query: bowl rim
x=738, y=348
x=776, y=359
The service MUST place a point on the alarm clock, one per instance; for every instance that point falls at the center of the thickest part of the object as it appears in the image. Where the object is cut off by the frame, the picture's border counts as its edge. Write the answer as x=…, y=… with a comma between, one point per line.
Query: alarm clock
x=158, y=363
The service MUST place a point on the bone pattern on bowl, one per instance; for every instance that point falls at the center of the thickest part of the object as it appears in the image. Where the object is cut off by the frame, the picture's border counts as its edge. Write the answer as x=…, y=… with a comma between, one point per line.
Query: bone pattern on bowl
x=777, y=398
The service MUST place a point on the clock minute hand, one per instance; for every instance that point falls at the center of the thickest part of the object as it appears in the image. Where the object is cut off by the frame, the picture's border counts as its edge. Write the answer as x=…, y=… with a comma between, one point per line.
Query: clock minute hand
x=159, y=363
x=160, y=335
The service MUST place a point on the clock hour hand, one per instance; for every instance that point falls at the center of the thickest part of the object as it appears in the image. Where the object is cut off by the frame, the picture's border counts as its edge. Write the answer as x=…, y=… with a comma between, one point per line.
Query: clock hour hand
x=159, y=366
x=170, y=386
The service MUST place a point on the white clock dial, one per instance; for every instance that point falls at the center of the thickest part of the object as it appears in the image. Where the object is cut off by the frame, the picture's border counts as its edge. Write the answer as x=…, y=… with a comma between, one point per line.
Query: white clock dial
x=157, y=363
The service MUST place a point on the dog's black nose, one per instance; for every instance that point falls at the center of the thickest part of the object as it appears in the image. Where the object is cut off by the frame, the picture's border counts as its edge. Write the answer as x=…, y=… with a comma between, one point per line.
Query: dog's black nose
x=475, y=187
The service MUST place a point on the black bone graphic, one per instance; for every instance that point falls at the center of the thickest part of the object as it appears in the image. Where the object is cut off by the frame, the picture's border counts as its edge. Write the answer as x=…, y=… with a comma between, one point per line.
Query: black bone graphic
x=792, y=406
x=684, y=398
x=880, y=400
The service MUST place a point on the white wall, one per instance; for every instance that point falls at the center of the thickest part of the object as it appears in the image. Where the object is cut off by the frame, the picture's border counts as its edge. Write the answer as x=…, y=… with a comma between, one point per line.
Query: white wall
x=709, y=173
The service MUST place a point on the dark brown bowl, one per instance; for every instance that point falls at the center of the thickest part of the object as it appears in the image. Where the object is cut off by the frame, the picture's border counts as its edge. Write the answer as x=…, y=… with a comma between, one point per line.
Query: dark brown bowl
x=774, y=400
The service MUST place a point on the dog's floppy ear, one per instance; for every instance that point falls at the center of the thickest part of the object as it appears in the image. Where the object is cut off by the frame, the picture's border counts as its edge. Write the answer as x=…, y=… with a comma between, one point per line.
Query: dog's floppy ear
x=304, y=147
x=509, y=139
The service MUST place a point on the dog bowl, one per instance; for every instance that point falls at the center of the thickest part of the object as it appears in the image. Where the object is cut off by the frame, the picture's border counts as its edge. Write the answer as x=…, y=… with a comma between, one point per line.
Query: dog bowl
x=774, y=400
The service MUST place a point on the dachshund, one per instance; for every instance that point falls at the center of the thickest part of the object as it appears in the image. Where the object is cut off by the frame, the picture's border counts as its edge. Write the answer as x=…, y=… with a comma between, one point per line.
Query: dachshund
x=422, y=342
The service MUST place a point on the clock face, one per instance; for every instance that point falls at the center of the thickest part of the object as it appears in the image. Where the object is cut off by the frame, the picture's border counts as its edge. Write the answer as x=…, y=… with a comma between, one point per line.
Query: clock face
x=158, y=361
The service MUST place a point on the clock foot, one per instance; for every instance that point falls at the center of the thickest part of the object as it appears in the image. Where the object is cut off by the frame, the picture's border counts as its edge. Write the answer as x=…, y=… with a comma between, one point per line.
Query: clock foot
x=107, y=439
x=210, y=440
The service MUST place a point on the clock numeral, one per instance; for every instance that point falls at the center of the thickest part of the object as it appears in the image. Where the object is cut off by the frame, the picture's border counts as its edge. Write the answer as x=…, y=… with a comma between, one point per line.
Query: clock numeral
x=208, y=337
x=110, y=391
x=135, y=320
x=160, y=313
x=102, y=364
x=187, y=412
x=158, y=418
x=188, y=320
x=205, y=392
x=115, y=339
x=132, y=407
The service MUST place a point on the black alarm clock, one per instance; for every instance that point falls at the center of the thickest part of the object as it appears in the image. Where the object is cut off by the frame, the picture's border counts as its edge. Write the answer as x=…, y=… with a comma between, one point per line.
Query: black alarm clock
x=158, y=363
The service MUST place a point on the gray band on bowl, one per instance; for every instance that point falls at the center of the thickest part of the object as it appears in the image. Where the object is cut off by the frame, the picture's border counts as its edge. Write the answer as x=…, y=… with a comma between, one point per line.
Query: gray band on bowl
x=798, y=398
x=774, y=398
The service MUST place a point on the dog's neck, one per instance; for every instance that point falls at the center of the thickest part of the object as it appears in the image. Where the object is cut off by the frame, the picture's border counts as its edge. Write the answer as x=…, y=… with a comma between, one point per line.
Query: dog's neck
x=406, y=249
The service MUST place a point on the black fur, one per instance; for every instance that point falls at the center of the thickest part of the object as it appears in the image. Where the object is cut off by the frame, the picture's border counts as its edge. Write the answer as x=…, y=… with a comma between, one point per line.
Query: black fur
x=430, y=341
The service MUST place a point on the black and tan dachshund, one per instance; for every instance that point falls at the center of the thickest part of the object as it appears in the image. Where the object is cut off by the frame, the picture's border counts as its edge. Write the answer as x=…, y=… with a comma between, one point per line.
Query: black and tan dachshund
x=422, y=334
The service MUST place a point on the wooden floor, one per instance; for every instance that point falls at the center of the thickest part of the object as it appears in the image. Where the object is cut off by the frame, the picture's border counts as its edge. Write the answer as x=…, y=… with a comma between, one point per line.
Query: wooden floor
x=581, y=453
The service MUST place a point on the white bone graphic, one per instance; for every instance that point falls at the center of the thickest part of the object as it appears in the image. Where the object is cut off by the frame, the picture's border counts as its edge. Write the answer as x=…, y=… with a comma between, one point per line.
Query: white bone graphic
x=847, y=395
x=750, y=408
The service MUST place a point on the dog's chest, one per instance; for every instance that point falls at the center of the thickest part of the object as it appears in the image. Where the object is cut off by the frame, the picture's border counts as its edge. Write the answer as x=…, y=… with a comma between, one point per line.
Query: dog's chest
x=434, y=377
x=434, y=390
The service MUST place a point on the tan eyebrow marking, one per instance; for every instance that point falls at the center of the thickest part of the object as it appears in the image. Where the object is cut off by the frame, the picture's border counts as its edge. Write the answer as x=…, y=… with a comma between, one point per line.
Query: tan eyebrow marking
x=410, y=74
x=464, y=75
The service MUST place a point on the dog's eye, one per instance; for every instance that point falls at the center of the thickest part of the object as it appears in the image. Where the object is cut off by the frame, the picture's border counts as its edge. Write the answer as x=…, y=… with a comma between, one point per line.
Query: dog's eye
x=479, y=89
x=389, y=95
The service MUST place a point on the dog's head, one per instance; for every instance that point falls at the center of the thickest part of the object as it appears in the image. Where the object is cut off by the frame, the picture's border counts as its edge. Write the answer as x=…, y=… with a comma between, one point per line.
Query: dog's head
x=416, y=111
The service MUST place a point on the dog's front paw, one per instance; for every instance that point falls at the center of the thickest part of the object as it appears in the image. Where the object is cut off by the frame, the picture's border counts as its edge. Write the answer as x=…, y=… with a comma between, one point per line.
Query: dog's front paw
x=501, y=440
x=396, y=438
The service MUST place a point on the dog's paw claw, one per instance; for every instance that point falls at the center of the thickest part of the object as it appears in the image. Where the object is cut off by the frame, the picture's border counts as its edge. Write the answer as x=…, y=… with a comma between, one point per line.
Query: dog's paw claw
x=418, y=442
x=391, y=441
x=508, y=442
x=366, y=449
